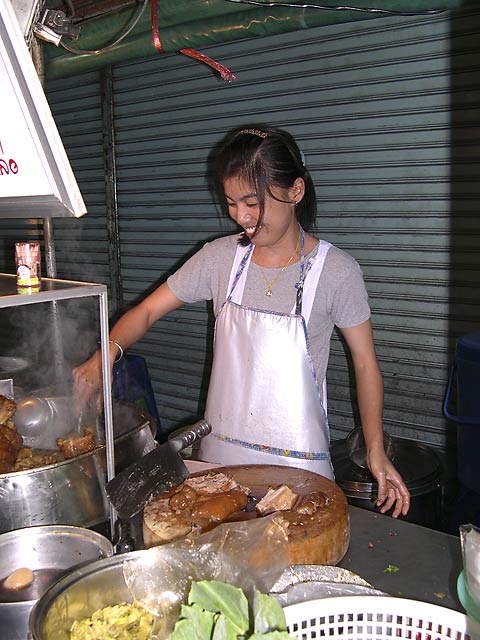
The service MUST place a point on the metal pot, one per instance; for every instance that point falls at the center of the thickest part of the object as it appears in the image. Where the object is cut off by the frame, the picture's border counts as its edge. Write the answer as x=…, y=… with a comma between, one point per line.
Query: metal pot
x=78, y=595
x=71, y=492
x=420, y=468
x=49, y=552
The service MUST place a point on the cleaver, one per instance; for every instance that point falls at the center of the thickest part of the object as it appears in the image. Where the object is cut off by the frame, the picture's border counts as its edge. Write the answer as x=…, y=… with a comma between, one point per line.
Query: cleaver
x=158, y=471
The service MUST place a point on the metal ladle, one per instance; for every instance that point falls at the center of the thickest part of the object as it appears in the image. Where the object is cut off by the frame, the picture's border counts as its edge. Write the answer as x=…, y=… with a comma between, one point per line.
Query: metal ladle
x=41, y=420
x=32, y=416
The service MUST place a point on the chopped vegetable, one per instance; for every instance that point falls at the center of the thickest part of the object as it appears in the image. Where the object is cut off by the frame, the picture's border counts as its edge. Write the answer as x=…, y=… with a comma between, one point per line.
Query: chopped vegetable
x=219, y=611
x=391, y=569
x=120, y=622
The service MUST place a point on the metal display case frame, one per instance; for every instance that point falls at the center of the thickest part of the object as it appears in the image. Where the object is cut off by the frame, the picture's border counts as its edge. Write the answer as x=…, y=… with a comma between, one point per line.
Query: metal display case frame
x=54, y=289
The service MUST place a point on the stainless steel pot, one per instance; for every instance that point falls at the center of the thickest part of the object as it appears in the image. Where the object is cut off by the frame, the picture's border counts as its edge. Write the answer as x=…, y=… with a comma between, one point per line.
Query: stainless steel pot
x=71, y=492
x=49, y=552
x=420, y=468
x=78, y=595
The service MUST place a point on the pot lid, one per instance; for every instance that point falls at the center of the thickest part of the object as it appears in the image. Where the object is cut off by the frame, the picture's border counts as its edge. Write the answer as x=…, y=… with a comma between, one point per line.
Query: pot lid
x=418, y=464
x=10, y=366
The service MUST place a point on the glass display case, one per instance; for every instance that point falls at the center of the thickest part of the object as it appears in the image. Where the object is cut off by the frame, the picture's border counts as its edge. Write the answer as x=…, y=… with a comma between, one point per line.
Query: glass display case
x=42, y=337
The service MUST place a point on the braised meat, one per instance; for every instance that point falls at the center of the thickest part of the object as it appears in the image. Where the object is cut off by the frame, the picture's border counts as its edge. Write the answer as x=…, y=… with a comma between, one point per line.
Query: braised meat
x=7, y=454
x=12, y=437
x=280, y=498
x=10, y=440
x=196, y=505
x=7, y=409
x=76, y=445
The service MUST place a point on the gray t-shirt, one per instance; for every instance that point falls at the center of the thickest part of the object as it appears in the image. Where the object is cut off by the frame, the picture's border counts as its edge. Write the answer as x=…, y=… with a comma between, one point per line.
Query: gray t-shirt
x=341, y=299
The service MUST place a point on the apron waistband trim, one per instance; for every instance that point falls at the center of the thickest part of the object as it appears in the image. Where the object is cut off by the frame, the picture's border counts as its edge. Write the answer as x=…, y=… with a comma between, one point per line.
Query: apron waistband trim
x=264, y=448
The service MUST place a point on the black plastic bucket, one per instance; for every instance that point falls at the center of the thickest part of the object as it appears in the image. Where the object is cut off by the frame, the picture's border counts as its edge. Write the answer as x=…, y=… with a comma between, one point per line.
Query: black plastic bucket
x=421, y=470
x=465, y=383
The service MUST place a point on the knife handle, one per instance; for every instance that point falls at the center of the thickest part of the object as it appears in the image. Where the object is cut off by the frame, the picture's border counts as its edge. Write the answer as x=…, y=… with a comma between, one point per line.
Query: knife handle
x=191, y=434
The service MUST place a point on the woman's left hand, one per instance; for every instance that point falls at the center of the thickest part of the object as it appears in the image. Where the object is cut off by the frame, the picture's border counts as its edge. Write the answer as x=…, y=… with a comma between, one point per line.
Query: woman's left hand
x=392, y=491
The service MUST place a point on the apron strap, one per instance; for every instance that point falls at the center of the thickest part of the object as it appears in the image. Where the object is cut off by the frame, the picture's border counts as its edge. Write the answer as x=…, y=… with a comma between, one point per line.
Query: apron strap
x=238, y=272
x=313, y=270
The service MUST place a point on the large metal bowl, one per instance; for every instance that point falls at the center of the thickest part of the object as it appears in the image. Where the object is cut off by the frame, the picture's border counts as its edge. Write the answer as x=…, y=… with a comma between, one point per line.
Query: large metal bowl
x=78, y=595
x=71, y=492
x=49, y=551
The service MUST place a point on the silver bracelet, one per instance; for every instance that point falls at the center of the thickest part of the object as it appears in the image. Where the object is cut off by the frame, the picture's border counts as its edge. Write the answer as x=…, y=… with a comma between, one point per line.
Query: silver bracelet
x=120, y=349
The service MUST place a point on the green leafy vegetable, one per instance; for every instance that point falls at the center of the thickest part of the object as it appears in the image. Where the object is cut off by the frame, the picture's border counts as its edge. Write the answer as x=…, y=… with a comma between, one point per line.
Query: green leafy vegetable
x=196, y=620
x=224, y=629
x=221, y=597
x=219, y=611
x=267, y=614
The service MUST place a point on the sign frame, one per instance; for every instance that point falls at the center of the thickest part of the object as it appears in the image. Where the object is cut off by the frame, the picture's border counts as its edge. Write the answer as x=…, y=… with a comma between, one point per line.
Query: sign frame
x=36, y=179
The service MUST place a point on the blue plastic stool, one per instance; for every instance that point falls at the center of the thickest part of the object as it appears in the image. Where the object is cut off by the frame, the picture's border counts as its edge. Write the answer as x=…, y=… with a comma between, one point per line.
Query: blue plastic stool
x=131, y=383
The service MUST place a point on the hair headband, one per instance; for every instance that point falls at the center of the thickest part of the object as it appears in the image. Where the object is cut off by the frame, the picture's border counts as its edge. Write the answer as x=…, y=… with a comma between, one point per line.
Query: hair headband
x=253, y=132
x=263, y=134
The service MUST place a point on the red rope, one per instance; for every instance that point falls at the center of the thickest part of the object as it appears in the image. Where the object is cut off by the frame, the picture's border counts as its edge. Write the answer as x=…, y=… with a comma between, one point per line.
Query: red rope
x=224, y=72
x=155, y=34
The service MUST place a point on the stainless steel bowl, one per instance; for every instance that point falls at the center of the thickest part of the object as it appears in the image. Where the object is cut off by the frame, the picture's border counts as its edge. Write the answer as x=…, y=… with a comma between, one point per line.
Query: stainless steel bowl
x=78, y=595
x=49, y=551
x=72, y=492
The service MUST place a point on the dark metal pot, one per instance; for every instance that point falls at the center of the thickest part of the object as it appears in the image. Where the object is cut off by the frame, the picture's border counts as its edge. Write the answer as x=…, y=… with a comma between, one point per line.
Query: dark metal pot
x=49, y=552
x=420, y=468
x=71, y=492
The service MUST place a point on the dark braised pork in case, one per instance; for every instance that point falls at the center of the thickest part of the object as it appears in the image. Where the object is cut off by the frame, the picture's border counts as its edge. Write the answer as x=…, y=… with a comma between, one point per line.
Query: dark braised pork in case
x=10, y=440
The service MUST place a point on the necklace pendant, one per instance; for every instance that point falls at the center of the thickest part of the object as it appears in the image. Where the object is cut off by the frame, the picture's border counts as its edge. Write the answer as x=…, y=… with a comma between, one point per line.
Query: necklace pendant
x=268, y=292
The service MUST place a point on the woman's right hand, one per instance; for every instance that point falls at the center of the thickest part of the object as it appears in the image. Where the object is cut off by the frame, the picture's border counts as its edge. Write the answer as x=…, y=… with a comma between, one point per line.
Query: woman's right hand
x=87, y=384
x=87, y=381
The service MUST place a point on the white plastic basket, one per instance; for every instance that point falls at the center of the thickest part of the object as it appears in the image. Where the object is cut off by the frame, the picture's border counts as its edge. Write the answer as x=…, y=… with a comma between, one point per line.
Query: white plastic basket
x=377, y=618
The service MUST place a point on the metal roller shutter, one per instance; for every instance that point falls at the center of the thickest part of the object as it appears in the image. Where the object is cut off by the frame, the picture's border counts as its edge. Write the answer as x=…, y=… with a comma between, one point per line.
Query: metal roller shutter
x=81, y=244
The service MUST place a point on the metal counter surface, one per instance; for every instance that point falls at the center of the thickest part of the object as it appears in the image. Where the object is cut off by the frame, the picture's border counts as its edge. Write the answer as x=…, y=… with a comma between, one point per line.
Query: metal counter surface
x=428, y=561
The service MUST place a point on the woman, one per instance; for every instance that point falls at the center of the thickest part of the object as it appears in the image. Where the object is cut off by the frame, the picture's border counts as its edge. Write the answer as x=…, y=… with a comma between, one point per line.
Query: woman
x=278, y=292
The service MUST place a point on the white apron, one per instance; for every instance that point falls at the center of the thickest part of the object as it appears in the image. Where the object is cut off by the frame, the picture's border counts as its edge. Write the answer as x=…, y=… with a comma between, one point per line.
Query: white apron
x=264, y=401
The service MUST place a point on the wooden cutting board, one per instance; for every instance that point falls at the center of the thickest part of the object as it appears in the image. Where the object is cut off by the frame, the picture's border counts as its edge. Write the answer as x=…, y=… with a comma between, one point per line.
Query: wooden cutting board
x=320, y=538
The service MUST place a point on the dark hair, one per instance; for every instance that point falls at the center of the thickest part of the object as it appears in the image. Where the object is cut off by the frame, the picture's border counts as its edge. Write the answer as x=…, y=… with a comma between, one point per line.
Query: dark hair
x=266, y=157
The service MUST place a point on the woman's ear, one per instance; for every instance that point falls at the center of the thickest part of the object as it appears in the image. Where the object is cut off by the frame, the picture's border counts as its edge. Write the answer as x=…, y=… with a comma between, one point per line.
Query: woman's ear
x=297, y=190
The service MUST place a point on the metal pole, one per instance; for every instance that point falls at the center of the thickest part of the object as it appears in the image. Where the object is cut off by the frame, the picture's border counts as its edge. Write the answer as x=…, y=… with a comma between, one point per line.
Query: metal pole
x=113, y=230
x=107, y=400
x=49, y=246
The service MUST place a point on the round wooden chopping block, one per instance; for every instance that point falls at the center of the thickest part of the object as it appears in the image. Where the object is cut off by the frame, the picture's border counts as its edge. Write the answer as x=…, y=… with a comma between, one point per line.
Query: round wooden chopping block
x=320, y=538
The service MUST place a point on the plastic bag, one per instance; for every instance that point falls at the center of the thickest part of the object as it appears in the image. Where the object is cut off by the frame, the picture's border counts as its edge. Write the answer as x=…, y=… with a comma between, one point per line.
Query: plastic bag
x=245, y=554
x=470, y=541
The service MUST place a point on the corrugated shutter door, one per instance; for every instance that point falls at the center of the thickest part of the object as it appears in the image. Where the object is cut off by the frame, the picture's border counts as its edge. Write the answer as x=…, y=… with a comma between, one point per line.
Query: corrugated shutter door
x=81, y=243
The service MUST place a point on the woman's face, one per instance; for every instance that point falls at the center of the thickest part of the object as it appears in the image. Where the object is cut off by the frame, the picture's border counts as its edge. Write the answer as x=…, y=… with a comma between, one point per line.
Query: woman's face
x=279, y=219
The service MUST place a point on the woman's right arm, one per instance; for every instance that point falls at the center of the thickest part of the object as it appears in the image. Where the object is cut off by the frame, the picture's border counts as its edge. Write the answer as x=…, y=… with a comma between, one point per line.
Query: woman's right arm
x=133, y=325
